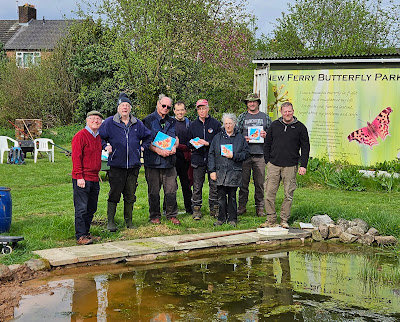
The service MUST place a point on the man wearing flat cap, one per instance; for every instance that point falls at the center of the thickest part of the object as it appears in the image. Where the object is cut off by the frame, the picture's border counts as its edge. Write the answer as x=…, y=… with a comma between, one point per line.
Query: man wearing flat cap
x=255, y=120
x=123, y=137
x=86, y=164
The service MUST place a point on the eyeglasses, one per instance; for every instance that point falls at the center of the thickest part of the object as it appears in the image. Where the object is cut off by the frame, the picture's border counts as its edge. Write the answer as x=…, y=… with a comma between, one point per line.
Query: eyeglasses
x=166, y=106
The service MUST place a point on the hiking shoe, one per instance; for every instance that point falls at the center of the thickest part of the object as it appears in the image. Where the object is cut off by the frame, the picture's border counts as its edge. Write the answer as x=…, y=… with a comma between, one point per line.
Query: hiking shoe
x=84, y=240
x=214, y=211
x=155, y=221
x=94, y=238
x=241, y=210
x=175, y=220
x=232, y=223
x=260, y=212
x=218, y=223
x=268, y=225
x=284, y=224
x=196, y=213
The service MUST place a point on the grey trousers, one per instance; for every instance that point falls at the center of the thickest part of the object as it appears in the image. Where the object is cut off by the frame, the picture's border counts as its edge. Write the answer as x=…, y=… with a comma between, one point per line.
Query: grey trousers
x=199, y=175
x=257, y=164
x=166, y=178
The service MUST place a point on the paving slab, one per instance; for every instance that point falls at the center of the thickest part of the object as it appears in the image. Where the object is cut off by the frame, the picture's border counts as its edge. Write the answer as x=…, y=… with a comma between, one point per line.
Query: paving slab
x=96, y=252
x=57, y=256
x=143, y=246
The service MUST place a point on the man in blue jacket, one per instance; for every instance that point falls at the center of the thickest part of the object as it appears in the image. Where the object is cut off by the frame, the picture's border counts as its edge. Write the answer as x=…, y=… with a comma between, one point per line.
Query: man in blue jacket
x=123, y=137
x=205, y=128
x=159, y=164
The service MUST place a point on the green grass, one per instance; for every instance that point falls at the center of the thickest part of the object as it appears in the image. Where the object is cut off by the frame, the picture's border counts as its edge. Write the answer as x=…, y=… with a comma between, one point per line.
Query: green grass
x=43, y=209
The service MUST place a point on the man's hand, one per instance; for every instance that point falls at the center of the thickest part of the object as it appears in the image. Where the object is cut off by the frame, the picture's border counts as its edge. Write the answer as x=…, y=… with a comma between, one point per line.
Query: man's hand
x=302, y=171
x=81, y=183
x=204, y=142
x=213, y=176
x=108, y=148
x=263, y=134
x=247, y=138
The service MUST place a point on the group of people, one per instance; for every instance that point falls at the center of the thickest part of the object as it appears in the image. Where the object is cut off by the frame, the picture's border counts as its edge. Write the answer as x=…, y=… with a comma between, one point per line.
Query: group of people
x=227, y=153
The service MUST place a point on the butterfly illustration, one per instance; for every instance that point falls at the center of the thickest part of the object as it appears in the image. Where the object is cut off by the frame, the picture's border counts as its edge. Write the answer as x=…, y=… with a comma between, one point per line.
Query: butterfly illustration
x=255, y=135
x=166, y=143
x=379, y=127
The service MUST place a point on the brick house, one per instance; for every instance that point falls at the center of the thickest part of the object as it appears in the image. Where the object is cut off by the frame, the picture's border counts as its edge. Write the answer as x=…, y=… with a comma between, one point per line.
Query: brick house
x=28, y=40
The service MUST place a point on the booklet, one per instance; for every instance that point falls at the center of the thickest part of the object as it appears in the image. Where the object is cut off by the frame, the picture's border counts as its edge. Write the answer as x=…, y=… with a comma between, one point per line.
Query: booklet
x=225, y=148
x=254, y=133
x=195, y=143
x=164, y=141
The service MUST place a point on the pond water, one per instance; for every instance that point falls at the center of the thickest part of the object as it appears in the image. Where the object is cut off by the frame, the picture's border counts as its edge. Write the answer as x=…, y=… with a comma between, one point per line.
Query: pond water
x=302, y=284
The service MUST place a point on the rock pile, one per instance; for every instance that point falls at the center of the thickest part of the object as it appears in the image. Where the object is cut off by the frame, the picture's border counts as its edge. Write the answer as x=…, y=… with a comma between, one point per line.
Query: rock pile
x=348, y=231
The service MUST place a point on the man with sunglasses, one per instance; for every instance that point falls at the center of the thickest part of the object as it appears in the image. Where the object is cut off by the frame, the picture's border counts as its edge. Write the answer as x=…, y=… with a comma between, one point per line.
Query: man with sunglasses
x=159, y=164
x=204, y=128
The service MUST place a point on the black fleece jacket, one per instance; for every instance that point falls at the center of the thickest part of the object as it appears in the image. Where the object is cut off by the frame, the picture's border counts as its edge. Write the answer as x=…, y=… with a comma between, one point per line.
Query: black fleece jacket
x=283, y=144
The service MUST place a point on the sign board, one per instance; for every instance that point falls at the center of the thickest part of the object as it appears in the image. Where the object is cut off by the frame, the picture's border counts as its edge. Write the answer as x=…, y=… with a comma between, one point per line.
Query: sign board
x=351, y=114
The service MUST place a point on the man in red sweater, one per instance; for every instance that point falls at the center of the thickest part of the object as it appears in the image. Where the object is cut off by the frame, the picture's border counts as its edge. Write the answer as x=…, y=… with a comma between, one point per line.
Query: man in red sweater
x=86, y=164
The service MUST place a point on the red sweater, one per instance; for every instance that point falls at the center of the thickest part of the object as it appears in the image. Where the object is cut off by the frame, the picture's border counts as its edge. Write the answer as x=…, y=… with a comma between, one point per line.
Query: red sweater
x=86, y=156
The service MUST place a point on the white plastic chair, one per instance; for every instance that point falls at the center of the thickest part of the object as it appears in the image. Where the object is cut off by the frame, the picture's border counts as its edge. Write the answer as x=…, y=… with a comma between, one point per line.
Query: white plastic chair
x=4, y=145
x=43, y=145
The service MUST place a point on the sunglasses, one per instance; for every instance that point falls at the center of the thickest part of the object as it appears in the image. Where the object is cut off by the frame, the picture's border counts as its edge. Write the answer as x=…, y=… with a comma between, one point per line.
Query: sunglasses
x=166, y=106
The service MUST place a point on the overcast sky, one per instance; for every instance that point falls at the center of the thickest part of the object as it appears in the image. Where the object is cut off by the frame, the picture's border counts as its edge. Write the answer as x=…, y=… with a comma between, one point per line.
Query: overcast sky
x=265, y=10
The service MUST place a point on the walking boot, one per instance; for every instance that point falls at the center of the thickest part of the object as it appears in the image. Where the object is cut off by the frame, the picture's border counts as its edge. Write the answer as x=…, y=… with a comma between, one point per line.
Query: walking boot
x=128, y=209
x=214, y=211
x=111, y=209
x=196, y=213
x=241, y=210
x=260, y=212
x=284, y=224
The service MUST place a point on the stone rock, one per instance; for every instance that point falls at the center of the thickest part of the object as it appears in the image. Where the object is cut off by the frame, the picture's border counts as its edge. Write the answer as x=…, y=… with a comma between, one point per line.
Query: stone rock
x=5, y=273
x=355, y=230
x=324, y=230
x=386, y=240
x=335, y=231
x=321, y=219
x=373, y=232
x=366, y=239
x=347, y=238
x=316, y=235
x=343, y=223
x=361, y=223
x=14, y=267
x=38, y=265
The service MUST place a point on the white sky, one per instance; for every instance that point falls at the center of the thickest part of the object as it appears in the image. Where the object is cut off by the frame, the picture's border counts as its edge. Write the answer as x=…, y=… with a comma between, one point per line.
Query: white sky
x=265, y=10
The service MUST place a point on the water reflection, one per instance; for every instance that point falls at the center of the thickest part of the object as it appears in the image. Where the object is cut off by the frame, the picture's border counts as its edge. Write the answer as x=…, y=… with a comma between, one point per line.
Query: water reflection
x=295, y=285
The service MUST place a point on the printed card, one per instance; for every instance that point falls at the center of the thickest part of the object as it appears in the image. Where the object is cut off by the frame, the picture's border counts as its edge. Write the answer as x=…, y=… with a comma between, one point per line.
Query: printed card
x=164, y=141
x=226, y=148
x=195, y=143
x=254, y=133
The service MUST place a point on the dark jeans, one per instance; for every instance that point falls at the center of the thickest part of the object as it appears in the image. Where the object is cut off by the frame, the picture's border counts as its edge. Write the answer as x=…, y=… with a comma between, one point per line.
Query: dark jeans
x=122, y=181
x=182, y=167
x=199, y=175
x=227, y=203
x=257, y=164
x=166, y=178
x=85, y=203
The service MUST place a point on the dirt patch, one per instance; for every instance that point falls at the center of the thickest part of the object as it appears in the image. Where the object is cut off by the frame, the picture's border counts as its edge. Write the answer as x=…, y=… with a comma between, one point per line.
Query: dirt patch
x=12, y=290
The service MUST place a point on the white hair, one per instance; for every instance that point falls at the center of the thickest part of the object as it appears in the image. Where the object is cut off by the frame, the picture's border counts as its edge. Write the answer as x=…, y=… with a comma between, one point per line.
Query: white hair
x=229, y=116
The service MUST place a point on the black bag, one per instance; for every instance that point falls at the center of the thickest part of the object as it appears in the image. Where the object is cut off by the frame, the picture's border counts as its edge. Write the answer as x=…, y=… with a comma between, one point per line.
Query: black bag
x=16, y=156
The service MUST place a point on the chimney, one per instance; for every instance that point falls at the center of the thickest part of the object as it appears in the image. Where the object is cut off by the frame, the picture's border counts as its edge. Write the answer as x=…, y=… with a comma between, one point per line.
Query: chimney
x=27, y=12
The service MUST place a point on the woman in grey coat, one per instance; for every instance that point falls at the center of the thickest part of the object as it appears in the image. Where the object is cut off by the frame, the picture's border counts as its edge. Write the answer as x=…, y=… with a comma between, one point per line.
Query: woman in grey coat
x=227, y=152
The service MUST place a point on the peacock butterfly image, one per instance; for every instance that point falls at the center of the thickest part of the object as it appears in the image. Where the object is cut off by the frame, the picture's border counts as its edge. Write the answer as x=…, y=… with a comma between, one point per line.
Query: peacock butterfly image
x=379, y=127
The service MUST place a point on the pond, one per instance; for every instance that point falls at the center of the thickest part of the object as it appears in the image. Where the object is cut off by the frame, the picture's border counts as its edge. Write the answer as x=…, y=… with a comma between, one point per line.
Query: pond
x=295, y=284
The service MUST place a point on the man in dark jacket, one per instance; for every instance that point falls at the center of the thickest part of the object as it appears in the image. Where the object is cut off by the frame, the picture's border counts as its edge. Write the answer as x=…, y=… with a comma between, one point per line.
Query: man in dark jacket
x=204, y=128
x=285, y=139
x=123, y=137
x=159, y=164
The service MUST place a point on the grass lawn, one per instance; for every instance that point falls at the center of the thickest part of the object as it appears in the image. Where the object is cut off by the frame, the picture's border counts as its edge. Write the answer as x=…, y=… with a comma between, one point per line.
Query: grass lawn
x=43, y=209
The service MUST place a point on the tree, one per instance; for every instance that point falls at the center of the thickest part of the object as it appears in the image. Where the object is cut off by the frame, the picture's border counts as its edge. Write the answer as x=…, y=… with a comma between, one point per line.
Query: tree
x=336, y=27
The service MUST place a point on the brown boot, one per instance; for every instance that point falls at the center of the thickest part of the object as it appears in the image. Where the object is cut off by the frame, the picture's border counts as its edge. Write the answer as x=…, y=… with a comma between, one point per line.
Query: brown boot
x=284, y=224
x=196, y=213
x=260, y=212
x=241, y=210
x=268, y=224
x=214, y=211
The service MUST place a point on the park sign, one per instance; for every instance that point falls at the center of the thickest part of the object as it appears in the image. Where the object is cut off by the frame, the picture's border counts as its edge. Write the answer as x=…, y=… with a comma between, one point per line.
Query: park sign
x=352, y=114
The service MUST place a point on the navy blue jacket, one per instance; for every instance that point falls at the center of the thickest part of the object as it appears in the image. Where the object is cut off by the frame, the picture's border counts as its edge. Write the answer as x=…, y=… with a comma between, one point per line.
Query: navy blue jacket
x=153, y=123
x=206, y=131
x=229, y=171
x=126, y=141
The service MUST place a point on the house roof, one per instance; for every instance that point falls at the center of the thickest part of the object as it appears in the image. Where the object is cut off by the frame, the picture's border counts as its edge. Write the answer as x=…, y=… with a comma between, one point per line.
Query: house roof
x=38, y=35
x=7, y=29
x=261, y=56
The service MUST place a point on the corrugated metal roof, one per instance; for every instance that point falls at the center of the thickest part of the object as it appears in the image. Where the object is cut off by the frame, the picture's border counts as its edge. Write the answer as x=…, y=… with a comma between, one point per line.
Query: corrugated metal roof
x=38, y=35
x=7, y=29
x=260, y=56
